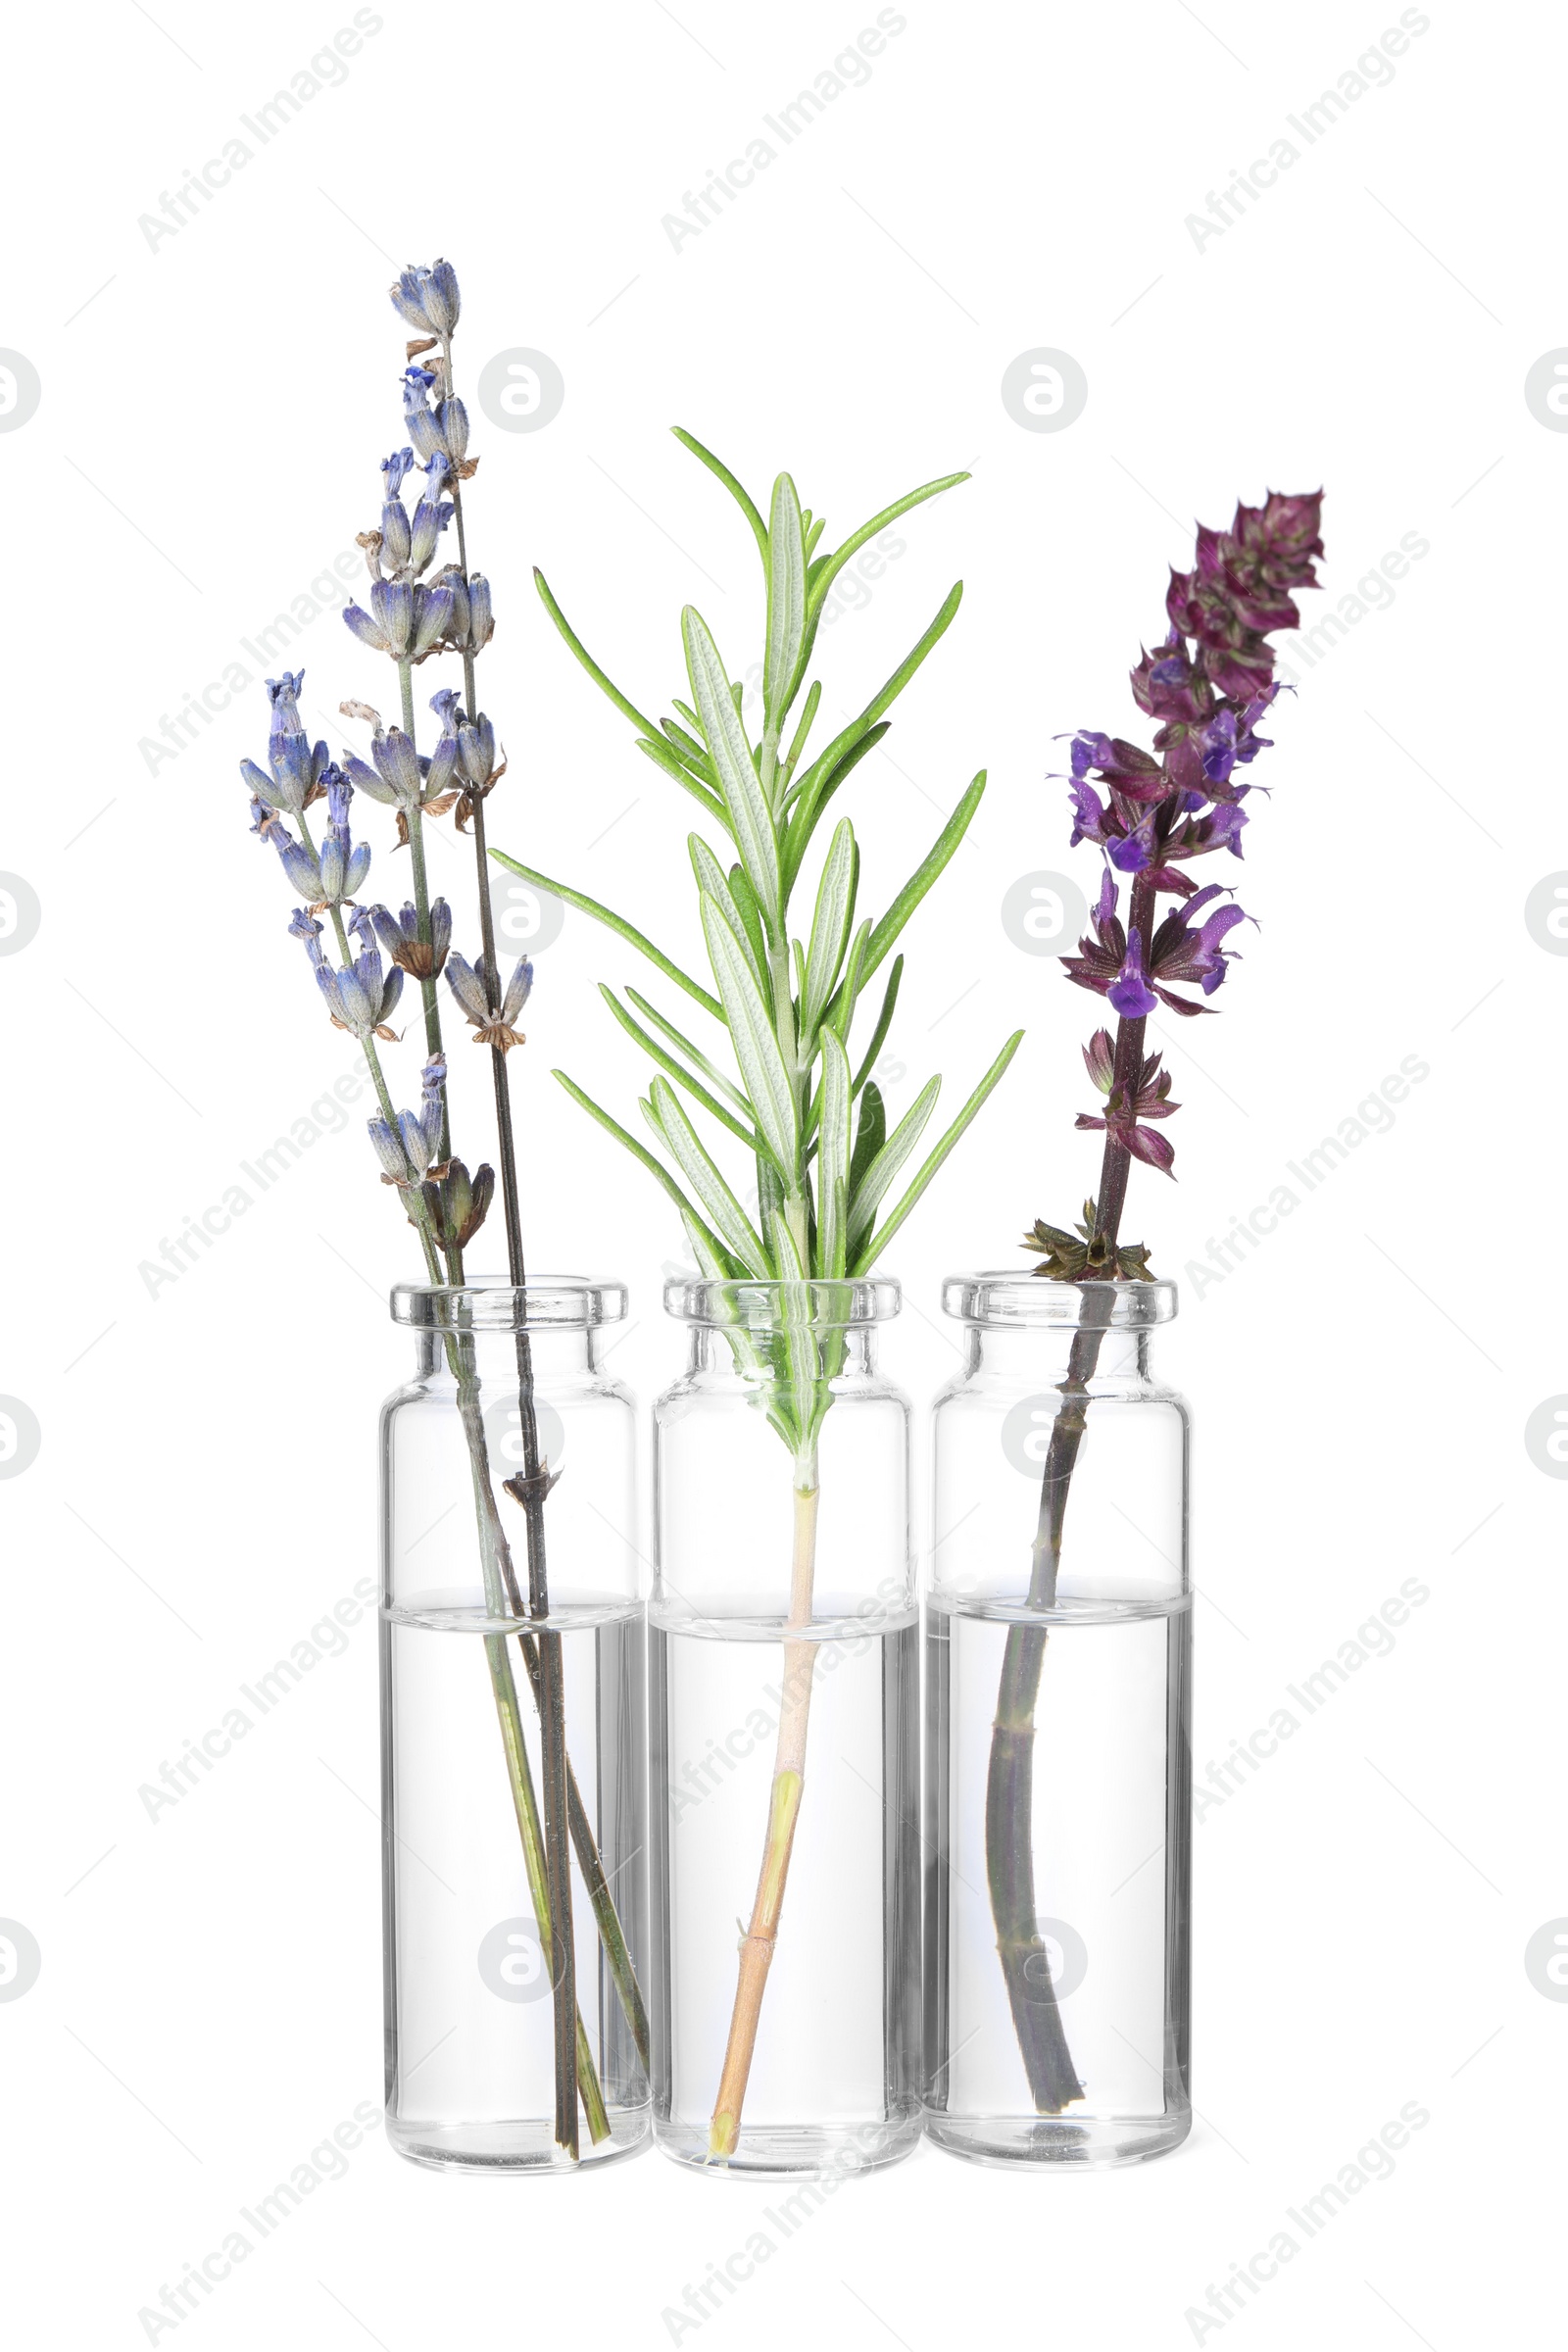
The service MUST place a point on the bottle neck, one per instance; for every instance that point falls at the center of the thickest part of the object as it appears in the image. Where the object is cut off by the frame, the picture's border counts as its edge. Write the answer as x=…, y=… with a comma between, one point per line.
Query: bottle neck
x=1045, y=1357
x=556, y=1355
x=842, y=1352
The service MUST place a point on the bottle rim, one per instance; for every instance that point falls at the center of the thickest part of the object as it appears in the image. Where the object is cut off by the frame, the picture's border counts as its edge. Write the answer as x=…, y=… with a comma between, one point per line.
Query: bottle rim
x=491, y=1303
x=773, y=1307
x=1003, y=1297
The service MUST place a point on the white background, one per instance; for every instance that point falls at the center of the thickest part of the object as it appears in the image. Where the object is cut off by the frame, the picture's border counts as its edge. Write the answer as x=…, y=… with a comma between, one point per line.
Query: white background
x=214, y=408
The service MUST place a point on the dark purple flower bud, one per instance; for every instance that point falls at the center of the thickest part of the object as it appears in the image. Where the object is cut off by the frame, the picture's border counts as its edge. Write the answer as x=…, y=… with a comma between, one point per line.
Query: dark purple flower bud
x=1130, y=993
x=1100, y=1059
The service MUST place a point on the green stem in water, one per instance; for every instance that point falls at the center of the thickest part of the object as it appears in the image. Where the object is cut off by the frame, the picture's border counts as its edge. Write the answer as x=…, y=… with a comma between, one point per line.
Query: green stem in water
x=784, y=1807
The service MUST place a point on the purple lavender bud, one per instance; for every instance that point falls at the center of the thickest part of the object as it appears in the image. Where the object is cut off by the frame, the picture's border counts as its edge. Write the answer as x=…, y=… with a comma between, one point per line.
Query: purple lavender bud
x=367, y=781
x=365, y=630
x=389, y=1151
x=415, y=1142
x=397, y=764
x=432, y=616
x=467, y=986
x=448, y=707
x=430, y=519
x=455, y=429
x=442, y=301
x=395, y=534
x=423, y=427
x=303, y=872
x=304, y=927
x=392, y=602
x=395, y=470
x=519, y=988
x=481, y=627
x=476, y=747
x=441, y=768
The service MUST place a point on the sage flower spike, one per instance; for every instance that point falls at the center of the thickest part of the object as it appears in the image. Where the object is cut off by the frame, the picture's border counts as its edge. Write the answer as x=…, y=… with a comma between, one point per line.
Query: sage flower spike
x=428, y=299
x=399, y=935
x=472, y=984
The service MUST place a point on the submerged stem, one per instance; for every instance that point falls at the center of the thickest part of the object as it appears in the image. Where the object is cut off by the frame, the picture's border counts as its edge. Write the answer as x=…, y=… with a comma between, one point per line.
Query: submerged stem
x=784, y=1806
x=1010, y=1777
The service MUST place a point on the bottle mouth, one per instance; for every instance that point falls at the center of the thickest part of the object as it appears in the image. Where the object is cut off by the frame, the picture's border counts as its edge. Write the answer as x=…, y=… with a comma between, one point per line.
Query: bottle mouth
x=1005, y=1298
x=490, y=1303
x=772, y=1307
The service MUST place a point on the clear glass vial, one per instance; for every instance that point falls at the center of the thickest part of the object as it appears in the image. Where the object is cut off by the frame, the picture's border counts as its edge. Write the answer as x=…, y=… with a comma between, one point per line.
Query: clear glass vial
x=466, y=1674
x=1058, y=1746
x=783, y=1673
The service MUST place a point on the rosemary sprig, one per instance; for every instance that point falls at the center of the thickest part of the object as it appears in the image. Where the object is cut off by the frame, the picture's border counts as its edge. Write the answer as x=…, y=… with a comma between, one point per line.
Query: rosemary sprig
x=814, y=1125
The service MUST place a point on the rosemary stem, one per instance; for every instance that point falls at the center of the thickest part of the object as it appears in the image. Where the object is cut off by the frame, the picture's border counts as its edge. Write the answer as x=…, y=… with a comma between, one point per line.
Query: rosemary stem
x=784, y=1806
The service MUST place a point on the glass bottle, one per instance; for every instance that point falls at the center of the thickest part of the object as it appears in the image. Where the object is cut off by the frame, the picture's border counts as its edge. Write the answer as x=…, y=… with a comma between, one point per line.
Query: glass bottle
x=466, y=1672
x=783, y=1671
x=1057, y=1747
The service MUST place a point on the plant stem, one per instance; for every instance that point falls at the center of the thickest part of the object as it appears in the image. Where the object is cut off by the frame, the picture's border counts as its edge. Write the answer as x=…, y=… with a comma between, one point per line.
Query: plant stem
x=546, y=1677
x=1009, y=1780
x=784, y=1806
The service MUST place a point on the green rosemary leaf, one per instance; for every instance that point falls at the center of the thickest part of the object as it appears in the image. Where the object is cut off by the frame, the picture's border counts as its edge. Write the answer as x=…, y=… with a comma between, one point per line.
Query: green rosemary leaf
x=694, y=1055
x=786, y=606
x=920, y=881
x=599, y=679
x=667, y=1062
x=831, y=930
x=810, y=807
x=814, y=695
x=833, y=1235
x=662, y=757
x=712, y=878
x=878, y=1241
x=653, y=1166
x=871, y=1134
x=751, y=818
x=877, y=1179
x=751, y=914
x=687, y=748
x=848, y=993
x=826, y=568
x=884, y=1022
x=829, y=760
x=717, y=466
x=614, y=922
x=757, y=1049
x=730, y=1222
